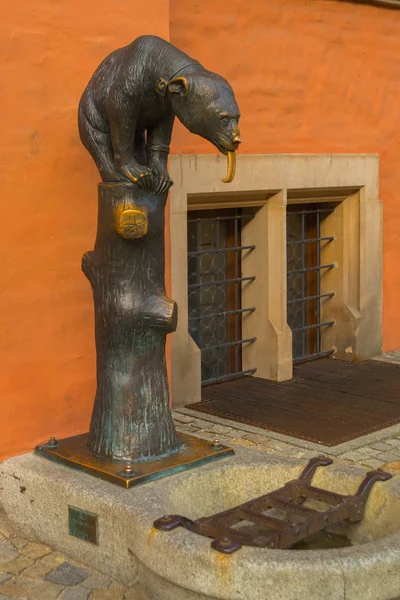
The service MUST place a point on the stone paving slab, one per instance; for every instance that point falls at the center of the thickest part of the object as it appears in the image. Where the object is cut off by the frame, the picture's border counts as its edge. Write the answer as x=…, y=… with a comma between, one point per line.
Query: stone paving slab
x=395, y=442
x=391, y=357
x=98, y=582
x=67, y=574
x=115, y=592
x=34, y=550
x=388, y=456
x=30, y=588
x=16, y=566
x=7, y=552
x=75, y=593
x=38, y=570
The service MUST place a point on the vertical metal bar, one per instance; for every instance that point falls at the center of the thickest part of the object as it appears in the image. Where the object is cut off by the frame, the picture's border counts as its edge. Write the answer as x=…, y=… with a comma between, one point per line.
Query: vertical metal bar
x=318, y=273
x=198, y=281
x=236, y=284
x=217, y=290
x=303, y=287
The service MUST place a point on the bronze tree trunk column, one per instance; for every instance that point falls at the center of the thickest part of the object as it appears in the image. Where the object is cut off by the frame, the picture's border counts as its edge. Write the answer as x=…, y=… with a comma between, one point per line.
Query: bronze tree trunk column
x=131, y=417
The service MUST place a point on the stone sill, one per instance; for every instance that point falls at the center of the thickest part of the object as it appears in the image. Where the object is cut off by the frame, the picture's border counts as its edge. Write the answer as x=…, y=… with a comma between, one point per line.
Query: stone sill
x=394, y=4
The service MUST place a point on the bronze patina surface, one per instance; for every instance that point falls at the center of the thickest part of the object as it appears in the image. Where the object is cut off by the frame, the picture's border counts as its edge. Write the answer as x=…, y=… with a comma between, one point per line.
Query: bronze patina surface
x=126, y=117
x=131, y=417
x=83, y=525
x=298, y=522
x=74, y=452
x=127, y=112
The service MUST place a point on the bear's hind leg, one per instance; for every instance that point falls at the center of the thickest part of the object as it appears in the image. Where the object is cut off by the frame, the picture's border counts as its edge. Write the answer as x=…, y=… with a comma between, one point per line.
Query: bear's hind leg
x=98, y=143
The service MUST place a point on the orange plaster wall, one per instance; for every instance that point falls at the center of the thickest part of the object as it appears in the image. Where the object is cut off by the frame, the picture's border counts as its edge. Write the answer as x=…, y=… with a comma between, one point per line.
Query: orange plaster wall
x=48, y=208
x=320, y=76
x=314, y=76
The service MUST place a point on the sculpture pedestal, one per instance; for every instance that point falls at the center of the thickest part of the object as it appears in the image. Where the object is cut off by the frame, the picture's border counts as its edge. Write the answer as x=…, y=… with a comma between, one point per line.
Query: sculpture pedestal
x=74, y=452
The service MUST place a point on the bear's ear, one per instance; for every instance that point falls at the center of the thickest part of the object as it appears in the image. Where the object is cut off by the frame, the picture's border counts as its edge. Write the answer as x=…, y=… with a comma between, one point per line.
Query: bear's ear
x=179, y=85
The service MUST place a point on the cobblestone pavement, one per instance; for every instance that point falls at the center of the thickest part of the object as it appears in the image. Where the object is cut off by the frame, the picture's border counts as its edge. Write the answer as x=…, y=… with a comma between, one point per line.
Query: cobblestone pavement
x=371, y=451
x=33, y=571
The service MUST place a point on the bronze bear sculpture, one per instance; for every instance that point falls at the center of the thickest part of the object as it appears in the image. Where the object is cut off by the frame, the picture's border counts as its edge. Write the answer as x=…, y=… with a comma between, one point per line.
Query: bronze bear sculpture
x=127, y=112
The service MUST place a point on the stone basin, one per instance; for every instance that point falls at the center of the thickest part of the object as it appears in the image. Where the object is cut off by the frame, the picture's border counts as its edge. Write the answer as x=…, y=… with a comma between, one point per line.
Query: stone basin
x=370, y=569
x=181, y=565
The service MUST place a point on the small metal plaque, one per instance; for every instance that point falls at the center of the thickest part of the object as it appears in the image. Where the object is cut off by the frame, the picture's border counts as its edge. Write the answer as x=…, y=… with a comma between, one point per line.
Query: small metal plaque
x=83, y=525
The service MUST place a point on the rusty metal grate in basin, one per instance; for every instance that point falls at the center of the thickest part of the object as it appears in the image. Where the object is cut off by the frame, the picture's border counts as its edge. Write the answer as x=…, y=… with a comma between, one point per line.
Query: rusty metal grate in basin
x=299, y=522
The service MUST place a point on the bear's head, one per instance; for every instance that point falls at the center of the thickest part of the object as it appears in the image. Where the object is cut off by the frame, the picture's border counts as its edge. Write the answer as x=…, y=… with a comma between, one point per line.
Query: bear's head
x=204, y=102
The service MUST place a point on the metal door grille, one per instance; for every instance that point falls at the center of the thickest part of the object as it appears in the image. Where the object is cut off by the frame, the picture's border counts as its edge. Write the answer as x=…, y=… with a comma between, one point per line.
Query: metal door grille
x=214, y=282
x=304, y=270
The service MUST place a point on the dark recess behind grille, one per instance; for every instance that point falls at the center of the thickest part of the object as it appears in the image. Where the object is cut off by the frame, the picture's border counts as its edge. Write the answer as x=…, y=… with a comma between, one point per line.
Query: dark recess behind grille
x=304, y=272
x=215, y=280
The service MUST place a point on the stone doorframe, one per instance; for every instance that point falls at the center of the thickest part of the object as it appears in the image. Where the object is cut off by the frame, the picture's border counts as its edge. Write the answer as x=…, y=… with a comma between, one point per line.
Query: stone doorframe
x=268, y=183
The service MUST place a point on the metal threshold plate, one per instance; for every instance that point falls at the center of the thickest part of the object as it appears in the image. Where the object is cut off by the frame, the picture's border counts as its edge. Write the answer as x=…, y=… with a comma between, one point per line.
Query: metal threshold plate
x=73, y=452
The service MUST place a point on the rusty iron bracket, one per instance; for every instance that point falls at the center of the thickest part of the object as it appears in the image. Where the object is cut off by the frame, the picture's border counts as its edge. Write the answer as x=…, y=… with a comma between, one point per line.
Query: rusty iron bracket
x=272, y=532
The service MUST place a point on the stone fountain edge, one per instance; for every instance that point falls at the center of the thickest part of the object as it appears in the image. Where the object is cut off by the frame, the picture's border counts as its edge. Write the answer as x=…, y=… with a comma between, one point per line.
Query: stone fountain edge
x=36, y=494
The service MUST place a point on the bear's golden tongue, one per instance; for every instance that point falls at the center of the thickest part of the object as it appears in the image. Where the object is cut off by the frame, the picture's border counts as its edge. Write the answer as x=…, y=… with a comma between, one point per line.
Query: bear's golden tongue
x=231, y=156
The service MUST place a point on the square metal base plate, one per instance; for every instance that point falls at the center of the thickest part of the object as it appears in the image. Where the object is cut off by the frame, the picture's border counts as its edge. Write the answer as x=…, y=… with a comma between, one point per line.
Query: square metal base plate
x=73, y=452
